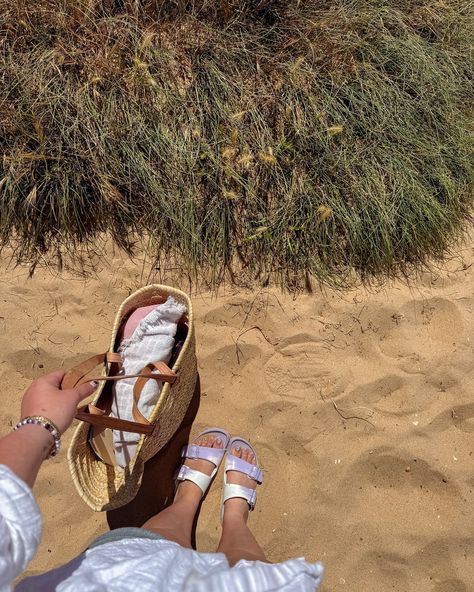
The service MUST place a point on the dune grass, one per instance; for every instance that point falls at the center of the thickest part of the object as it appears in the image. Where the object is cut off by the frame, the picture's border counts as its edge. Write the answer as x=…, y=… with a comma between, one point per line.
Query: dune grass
x=262, y=138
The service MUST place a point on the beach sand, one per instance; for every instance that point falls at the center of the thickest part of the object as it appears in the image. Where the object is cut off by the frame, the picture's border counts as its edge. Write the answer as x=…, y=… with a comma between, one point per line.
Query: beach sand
x=360, y=406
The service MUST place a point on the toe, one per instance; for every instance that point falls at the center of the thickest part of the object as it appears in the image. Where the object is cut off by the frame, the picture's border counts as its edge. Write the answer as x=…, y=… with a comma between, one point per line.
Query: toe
x=218, y=443
x=237, y=451
x=204, y=441
x=248, y=456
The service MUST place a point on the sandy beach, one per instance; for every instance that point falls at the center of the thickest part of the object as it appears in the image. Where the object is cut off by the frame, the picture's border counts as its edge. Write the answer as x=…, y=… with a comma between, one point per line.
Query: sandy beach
x=360, y=406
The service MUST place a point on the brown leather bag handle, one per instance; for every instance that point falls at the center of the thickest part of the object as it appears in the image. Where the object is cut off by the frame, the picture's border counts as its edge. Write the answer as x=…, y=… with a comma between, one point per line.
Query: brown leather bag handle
x=105, y=421
x=76, y=376
x=96, y=416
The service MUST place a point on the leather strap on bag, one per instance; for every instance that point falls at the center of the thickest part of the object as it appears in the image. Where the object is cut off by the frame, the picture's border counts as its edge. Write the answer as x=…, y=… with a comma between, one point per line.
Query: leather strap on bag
x=94, y=415
x=77, y=375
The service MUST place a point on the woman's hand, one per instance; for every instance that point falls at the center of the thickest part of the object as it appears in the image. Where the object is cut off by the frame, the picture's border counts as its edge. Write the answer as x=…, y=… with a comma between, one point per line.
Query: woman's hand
x=44, y=397
x=25, y=449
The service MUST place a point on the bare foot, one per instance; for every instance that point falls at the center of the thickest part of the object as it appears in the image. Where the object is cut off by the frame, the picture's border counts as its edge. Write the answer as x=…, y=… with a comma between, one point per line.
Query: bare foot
x=187, y=489
x=238, y=508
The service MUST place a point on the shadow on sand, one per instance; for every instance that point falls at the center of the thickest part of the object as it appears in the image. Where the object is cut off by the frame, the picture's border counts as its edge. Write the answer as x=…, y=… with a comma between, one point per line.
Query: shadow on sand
x=157, y=488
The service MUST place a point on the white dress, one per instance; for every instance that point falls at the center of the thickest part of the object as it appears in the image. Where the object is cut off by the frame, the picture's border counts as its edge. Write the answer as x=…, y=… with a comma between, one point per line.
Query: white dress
x=128, y=565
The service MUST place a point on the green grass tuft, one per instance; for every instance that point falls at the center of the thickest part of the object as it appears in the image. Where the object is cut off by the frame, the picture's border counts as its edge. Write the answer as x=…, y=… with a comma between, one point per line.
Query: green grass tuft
x=279, y=138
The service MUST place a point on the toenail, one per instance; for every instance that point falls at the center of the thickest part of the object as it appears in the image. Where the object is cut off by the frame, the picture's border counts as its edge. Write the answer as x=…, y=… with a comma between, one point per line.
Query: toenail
x=218, y=441
x=237, y=449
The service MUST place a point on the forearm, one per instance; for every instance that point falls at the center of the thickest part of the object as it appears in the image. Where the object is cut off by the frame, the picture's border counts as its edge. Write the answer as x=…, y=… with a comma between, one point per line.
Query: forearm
x=24, y=450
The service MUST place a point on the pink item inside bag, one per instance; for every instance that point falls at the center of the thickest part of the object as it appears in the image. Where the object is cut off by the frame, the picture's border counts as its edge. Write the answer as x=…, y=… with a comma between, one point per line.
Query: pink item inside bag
x=127, y=330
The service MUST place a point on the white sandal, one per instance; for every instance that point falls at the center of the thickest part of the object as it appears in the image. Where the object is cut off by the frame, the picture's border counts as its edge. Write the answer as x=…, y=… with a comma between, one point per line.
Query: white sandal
x=253, y=471
x=196, y=452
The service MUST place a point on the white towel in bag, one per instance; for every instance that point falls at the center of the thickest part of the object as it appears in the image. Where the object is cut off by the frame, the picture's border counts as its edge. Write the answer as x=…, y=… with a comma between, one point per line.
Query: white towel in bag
x=152, y=341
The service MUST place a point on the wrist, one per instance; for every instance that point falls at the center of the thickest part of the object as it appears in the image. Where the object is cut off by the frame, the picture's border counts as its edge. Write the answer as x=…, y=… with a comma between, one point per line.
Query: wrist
x=49, y=429
x=37, y=437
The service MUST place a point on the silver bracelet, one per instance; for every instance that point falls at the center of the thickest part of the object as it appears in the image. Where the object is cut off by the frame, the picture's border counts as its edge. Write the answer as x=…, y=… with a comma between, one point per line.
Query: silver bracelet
x=47, y=424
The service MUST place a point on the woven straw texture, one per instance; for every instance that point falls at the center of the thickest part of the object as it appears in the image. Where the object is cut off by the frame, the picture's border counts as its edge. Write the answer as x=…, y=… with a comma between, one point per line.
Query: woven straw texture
x=102, y=486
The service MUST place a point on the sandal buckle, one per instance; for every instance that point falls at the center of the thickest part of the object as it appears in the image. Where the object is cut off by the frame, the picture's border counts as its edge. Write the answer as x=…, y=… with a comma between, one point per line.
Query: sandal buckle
x=193, y=451
x=253, y=500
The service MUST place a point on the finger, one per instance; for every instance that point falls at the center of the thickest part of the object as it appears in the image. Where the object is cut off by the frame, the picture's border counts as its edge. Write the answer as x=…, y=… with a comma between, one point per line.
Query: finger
x=85, y=390
x=54, y=378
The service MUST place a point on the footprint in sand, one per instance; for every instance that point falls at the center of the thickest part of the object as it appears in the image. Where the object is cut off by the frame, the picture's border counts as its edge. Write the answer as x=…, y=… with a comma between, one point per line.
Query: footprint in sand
x=442, y=572
x=390, y=395
x=420, y=327
x=459, y=416
x=230, y=315
x=240, y=313
x=233, y=358
x=22, y=293
x=383, y=566
x=32, y=363
x=386, y=468
x=294, y=370
x=463, y=417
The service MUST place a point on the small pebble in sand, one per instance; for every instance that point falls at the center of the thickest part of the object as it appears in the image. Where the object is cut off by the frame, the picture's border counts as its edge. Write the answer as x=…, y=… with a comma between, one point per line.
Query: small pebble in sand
x=408, y=469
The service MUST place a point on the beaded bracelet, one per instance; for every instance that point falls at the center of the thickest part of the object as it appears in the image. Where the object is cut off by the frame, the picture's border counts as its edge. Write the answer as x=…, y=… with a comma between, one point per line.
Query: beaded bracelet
x=46, y=423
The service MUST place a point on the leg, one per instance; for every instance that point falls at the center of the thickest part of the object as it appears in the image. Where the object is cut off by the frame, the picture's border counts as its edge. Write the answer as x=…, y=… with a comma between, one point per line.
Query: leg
x=237, y=541
x=176, y=521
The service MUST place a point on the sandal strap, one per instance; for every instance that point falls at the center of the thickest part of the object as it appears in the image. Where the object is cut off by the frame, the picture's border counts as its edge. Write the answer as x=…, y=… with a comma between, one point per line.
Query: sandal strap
x=232, y=490
x=234, y=463
x=213, y=455
x=202, y=480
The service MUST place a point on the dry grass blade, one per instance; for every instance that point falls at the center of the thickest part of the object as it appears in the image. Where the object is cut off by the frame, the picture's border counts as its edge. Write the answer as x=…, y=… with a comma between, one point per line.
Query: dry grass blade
x=275, y=139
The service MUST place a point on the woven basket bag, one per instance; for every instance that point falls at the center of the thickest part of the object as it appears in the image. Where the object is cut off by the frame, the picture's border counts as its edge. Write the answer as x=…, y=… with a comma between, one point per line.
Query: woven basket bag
x=103, y=486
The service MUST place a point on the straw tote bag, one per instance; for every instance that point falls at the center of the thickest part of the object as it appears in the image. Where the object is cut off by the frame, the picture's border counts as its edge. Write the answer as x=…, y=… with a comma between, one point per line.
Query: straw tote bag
x=102, y=485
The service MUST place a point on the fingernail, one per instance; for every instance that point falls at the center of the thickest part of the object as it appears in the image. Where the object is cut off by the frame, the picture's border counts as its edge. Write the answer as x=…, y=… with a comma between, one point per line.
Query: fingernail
x=93, y=383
